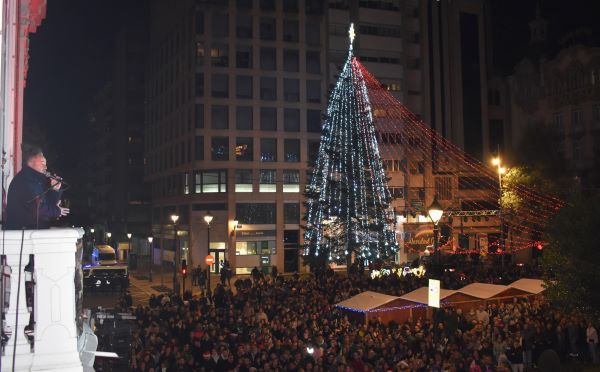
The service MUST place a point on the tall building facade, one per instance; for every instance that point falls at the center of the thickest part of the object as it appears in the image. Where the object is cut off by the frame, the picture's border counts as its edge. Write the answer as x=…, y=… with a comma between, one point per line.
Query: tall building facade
x=234, y=100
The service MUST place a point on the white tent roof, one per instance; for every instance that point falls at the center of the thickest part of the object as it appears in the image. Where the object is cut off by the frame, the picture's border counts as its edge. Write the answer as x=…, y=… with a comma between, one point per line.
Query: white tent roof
x=483, y=290
x=421, y=295
x=366, y=301
x=534, y=286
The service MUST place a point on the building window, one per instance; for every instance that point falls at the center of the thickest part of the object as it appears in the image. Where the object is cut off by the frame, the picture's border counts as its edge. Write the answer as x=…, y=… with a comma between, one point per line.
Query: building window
x=243, y=180
x=313, y=151
x=291, y=148
x=243, y=26
x=199, y=148
x=577, y=121
x=291, y=180
x=244, y=4
x=199, y=20
x=220, y=117
x=243, y=57
x=199, y=115
x=267, y=5
x=186, y=183
x=268, y=88
x=557, y=123
x=210, y=181
x=313, y=33
x=244, y=149
x=259, y=247
x=291, y=120
x=268, y=60
x=267, y=180
x=290, y=30
x=291, y=213
x=313, y=62
x=243, y=87
x=220, y=25
x=443, y=188
x=219, y=148
x=313, y=91
x=267, y=28
x=268, y=118
x=291, y=90
x=199, y=84
x=220, y=86
x=243, y=119
x=268, y=149
x=199, y=53
x=290, y=6
x=219, y=55
x=313, y=121
x=290, y=60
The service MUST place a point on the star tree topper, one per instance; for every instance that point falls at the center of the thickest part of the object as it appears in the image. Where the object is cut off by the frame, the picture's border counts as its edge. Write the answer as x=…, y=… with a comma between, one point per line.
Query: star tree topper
x=351, y=34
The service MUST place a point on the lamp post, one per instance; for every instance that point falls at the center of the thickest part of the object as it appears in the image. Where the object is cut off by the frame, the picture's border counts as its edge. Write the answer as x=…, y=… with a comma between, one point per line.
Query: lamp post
x=108, y=235
x=92, y=231
x=128, y=251
x=151, y=258
x=208, y=219
x=435, y=213
x=497, y=162
x=175, y=218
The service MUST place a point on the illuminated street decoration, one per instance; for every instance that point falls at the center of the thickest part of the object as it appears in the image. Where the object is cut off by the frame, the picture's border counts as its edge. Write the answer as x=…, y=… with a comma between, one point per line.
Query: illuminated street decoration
x=348, y=201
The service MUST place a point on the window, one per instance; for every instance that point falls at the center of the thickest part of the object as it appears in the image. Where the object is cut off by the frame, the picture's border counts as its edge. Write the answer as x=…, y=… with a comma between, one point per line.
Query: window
x=394, y=165
x=220, y=86
x=577, y=120
x=290, y=30
x=313, y=121
x=267, y=28
x=290, y=6
x=186, y=183
x=199, y=23
x=244, y=149
x=220, y=117
x=443, y=188
x=199, y=53
x=291, y=120
x=220, y=25
x=199, y=84
x=291, y=180
x=267, y=4
x=243, y=26
x=219, y=55
x=268, y=60
x=243, y=87
x=268, y=88
x=313, y=62
x=291, y=90
x=291, y=149
x=199, y=148
x=210, y=181
x=313, y=151
x=313, y=33
x=267, y=180
x=243, y=56
x=268, y=118
x=259, y=247
x=557, y=123
x=244, y=4
x=220, y=148
x=291, y=213
x=243, y=120
x=314, y=7
x=268, y=149
x=313, y=91
x=199, y=115
x=290, y=60
x=243, y=180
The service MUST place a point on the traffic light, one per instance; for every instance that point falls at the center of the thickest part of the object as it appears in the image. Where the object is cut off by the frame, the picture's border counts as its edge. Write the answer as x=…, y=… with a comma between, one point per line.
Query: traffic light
x=184, y=267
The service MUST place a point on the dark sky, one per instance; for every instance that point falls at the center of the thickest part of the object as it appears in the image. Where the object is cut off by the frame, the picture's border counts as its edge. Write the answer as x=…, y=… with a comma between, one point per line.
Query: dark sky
x=70, y=58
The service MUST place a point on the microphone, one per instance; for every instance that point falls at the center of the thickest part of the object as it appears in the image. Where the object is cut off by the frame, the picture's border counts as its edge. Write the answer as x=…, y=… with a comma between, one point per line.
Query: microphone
x=55, y=177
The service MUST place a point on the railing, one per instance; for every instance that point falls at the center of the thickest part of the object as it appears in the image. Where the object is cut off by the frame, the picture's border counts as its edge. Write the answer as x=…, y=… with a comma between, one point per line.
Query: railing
x=52, y=345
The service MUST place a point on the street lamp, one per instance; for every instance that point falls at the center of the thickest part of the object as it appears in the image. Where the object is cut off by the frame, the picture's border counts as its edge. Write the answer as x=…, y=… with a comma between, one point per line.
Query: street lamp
x=497, y=162
x=151, y=258
x=175, y=218
x=108, y=235
x=435, y=212
x=208, y=219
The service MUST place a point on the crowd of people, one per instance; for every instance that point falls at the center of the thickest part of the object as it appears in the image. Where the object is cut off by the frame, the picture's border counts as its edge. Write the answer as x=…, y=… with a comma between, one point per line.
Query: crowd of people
x=267, y=323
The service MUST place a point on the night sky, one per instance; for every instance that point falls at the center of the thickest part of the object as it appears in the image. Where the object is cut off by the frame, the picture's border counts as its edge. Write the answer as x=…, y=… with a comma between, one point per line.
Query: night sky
x=70, y=59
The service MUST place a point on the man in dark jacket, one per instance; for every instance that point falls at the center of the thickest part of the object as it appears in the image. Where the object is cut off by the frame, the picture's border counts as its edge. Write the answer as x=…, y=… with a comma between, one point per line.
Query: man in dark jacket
x=33, y=199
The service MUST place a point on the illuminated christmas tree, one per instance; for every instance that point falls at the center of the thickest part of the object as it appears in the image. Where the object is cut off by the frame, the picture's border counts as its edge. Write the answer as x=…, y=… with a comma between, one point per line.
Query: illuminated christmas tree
x=348, y=202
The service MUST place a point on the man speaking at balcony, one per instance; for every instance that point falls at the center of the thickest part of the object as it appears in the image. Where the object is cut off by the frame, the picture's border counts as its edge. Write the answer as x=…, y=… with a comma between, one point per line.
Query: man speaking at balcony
x=33, y=195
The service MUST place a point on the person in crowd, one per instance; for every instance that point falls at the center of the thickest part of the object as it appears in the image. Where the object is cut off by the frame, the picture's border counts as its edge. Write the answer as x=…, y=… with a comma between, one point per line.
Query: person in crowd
x=592, y=341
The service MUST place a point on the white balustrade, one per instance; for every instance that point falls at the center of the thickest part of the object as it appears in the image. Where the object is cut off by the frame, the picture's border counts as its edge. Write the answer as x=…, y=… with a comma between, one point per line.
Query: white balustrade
x=55, y=332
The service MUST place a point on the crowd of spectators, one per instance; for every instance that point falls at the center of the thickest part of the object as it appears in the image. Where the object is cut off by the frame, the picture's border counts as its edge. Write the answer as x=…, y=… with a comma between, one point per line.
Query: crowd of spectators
x=270, y=324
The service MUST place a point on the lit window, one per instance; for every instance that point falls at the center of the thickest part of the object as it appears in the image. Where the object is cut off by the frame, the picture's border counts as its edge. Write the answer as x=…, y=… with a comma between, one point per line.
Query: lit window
x=267, y=180
x=291, y=180
x=243, y=180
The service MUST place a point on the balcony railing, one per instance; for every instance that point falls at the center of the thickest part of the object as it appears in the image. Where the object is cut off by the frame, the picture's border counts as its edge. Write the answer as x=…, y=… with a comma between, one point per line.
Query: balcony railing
x=52, y=342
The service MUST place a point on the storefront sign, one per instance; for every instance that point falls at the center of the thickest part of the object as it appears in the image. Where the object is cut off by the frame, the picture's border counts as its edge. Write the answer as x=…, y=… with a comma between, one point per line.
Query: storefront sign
x=254, y=233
